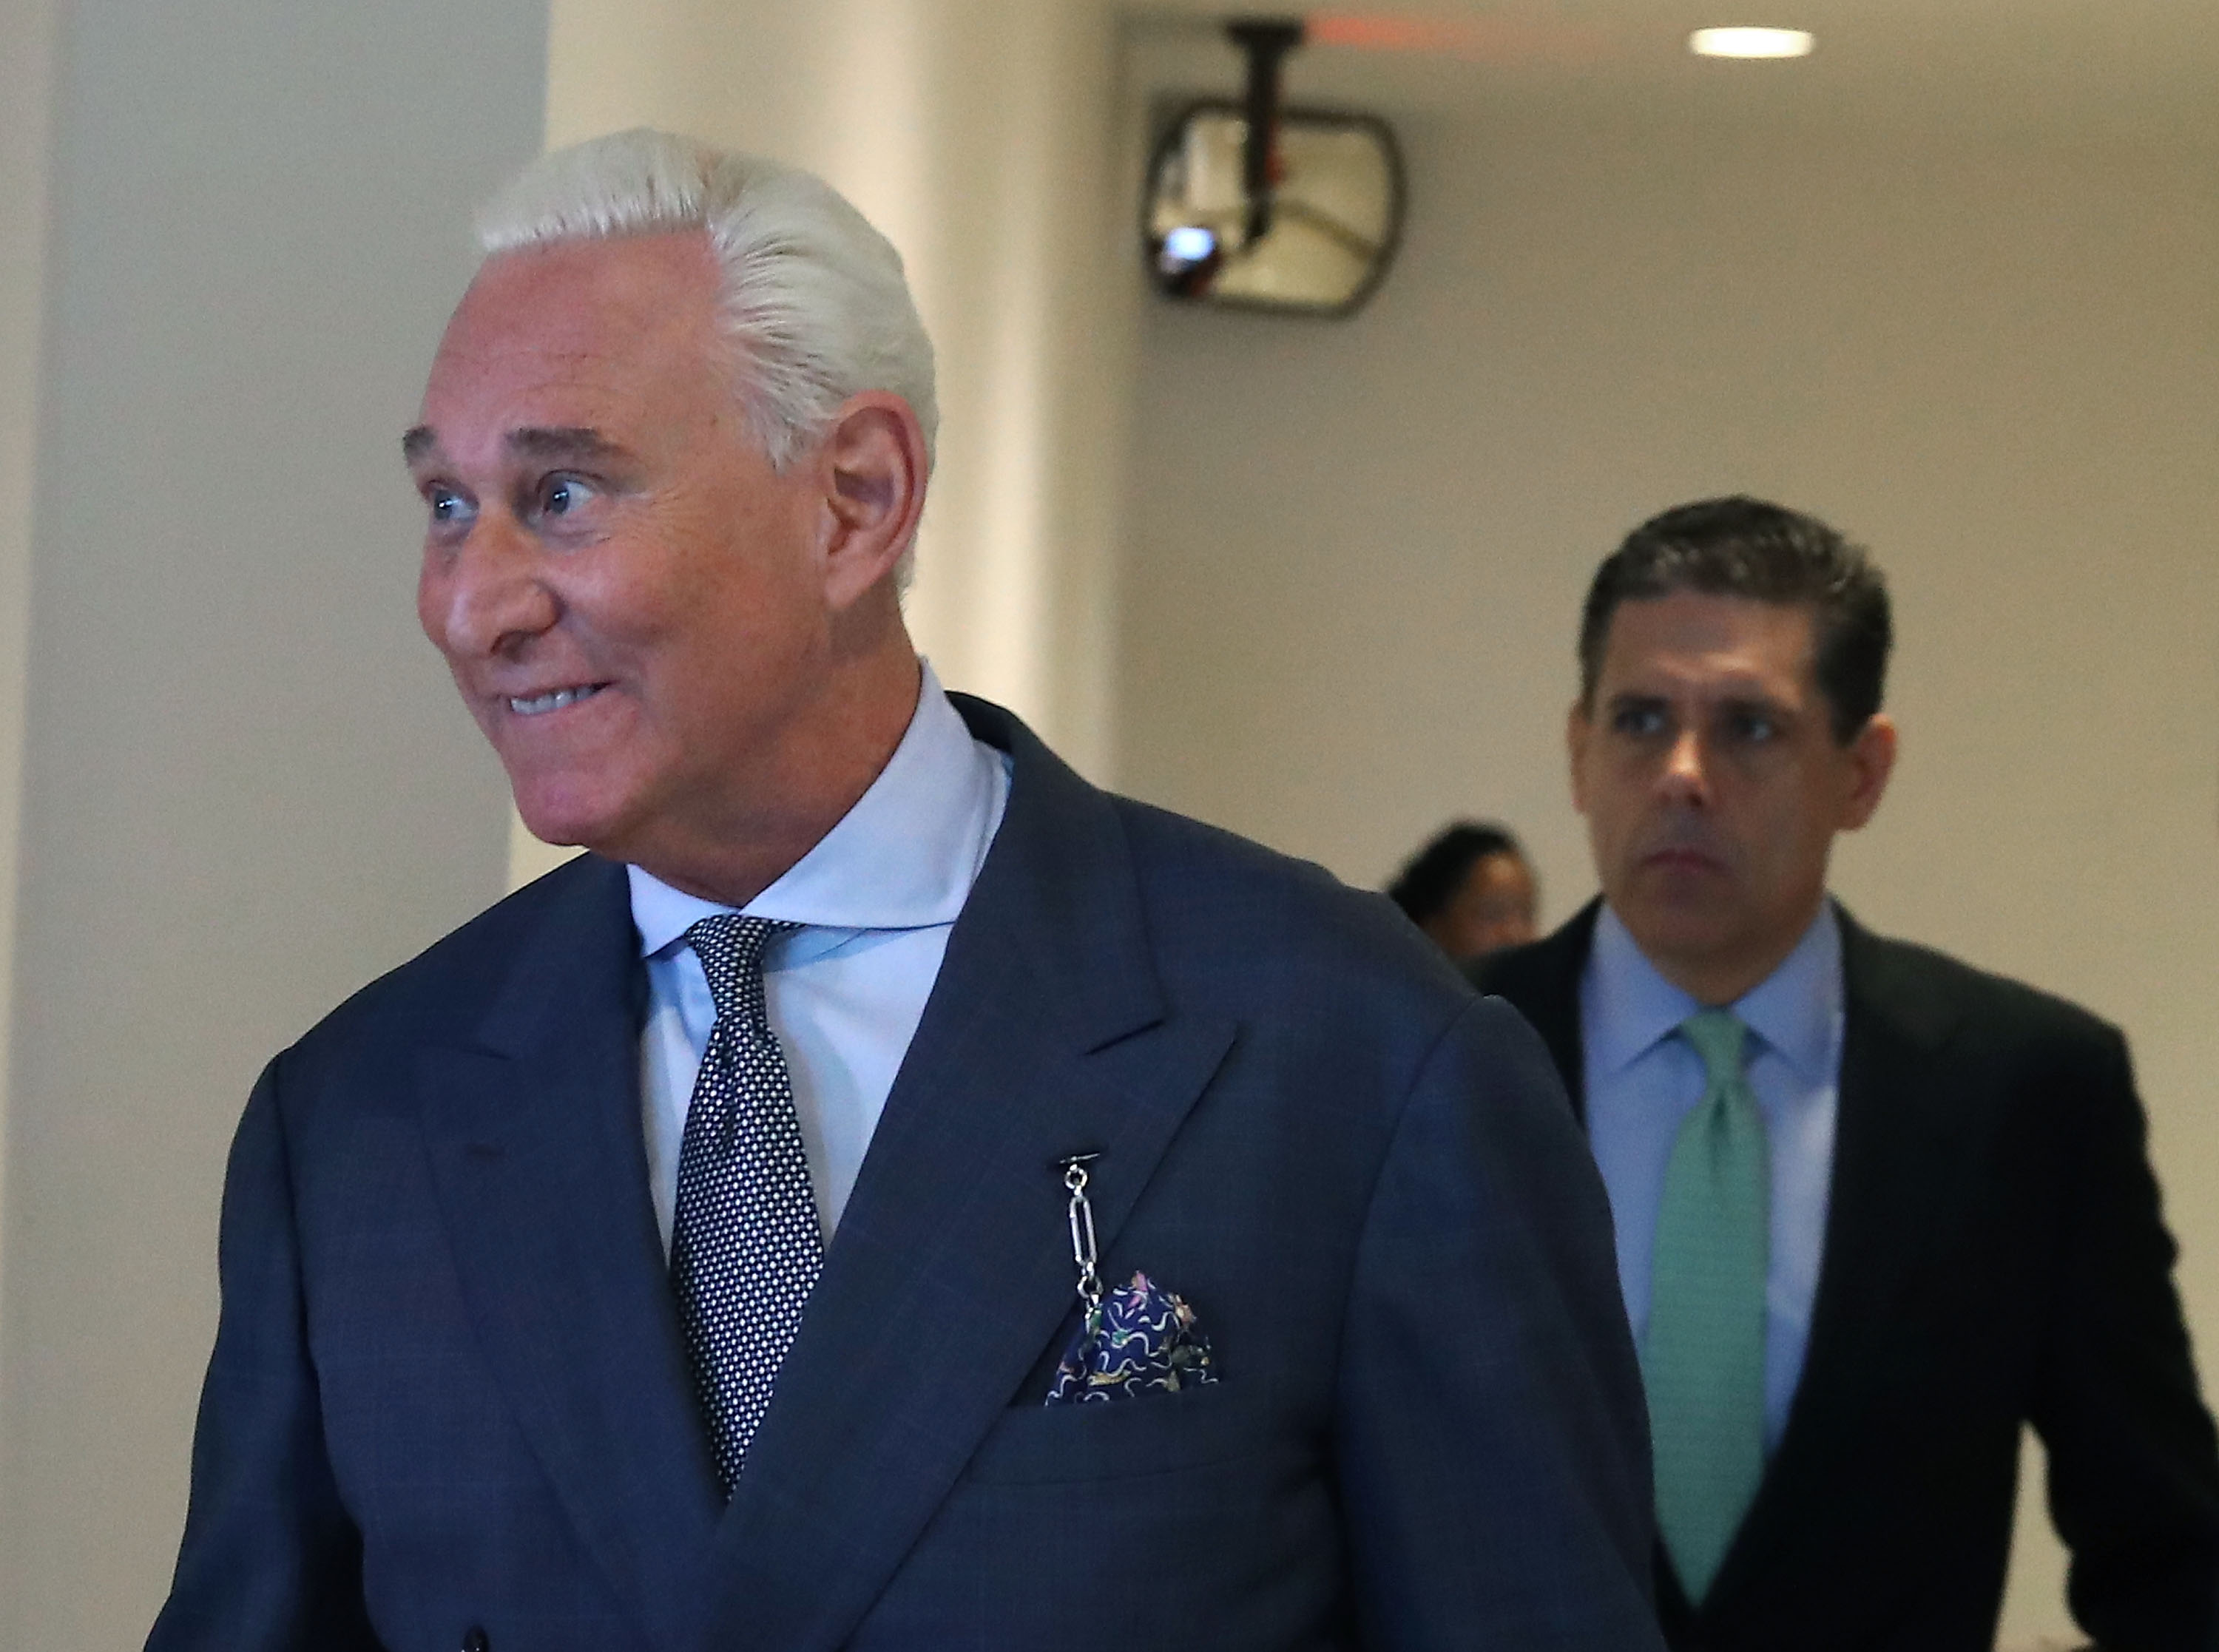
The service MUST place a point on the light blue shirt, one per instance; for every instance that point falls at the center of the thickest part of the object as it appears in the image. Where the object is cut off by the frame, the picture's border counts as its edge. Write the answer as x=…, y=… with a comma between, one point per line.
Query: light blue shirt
x=877, y=897
x=1641, y=1082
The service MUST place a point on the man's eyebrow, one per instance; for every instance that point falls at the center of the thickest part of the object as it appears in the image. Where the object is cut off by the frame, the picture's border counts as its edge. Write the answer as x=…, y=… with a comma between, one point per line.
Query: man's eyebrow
x=562, y=442
x=1756, y=700
x=529, y=441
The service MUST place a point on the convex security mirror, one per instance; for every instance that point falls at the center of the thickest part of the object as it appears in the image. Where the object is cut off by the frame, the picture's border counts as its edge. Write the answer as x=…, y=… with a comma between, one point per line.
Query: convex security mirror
x=1258, y=207
x=1330, y=228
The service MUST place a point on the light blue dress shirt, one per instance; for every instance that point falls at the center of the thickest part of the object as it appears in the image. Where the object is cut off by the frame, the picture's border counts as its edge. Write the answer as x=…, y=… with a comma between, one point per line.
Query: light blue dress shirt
x=1641, y=1082
x=877, y=897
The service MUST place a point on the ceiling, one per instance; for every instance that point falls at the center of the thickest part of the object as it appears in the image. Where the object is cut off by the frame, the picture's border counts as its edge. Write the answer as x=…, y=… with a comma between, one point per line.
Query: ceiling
x=2143, y=72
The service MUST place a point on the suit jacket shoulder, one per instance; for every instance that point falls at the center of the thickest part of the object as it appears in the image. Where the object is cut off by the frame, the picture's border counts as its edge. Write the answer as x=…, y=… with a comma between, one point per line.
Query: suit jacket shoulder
x=442, y=992
x=1940, y=1000
x=1541, y=982
x=1265, y=934
x=1931, y=999
x=1228, y=929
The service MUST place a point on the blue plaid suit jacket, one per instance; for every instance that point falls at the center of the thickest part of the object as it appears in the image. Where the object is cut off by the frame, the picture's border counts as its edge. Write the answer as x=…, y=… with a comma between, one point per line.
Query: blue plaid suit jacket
x=448, y=1403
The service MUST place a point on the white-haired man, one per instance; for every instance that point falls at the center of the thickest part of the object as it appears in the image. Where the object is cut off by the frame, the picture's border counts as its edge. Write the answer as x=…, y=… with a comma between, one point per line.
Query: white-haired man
x=889, y=1193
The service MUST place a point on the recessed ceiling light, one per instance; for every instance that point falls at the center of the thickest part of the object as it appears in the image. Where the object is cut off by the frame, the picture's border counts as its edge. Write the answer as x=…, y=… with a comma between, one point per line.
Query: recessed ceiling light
x=1749, y=43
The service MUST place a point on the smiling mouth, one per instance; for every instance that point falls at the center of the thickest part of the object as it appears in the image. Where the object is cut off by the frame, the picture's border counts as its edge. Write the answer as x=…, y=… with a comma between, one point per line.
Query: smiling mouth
x=553, y=700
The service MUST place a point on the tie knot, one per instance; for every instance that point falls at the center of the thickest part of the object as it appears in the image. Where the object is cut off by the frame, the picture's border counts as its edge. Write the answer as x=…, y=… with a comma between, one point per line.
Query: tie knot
x=1717, y=1036
x=731, y=948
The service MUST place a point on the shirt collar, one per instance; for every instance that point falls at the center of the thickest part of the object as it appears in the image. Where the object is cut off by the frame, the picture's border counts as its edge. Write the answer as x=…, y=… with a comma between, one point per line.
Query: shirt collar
x=903, y=857
x=1794, y=1010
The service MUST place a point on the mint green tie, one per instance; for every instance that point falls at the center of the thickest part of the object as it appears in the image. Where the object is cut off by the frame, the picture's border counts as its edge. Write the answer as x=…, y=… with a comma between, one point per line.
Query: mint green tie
x=1703, y=1362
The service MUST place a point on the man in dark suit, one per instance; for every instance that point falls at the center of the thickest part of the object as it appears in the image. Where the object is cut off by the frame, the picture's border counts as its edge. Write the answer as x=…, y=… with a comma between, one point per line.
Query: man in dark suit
x=686, y=1253
x=1874, y=1208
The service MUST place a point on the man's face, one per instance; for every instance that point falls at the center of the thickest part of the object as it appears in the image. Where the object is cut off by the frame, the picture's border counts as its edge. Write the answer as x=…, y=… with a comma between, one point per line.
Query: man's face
x=1708, y=771
x=630, y=598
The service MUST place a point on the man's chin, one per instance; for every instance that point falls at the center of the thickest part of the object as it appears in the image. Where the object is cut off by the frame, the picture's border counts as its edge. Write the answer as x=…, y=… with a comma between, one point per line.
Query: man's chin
x=564, y=820
x=1665, y=927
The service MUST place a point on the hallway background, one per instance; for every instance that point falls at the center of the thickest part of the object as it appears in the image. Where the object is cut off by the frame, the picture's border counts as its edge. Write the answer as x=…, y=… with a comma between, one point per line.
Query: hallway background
x=1316, y=581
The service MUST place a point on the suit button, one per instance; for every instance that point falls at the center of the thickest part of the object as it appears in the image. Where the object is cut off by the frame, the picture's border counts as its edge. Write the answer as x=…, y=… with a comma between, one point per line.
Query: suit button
x=474, y=1640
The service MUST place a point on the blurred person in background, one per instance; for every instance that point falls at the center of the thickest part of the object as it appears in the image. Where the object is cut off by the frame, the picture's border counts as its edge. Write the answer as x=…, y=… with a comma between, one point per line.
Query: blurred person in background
x=1875, y=1209
x=1471, y=889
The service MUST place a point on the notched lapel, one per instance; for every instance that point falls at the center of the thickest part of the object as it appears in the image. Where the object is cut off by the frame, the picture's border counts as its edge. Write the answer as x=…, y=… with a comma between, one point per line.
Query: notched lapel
x=1541, y=981
x=534, y=1139
x=1047, y=1034
x=946, y=1280
x=1892, y=1156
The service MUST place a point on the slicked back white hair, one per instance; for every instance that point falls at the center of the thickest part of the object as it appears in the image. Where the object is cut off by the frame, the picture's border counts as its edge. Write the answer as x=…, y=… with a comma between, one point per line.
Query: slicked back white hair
x=814, y=300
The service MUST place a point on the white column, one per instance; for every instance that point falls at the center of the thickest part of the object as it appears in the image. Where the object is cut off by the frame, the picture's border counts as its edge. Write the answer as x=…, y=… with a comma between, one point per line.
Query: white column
x=26, y=163
x=234, y=783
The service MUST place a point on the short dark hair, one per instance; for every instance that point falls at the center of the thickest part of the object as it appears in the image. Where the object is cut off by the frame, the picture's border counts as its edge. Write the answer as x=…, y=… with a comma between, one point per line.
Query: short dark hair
x=1743, y=547
x=1431, y=878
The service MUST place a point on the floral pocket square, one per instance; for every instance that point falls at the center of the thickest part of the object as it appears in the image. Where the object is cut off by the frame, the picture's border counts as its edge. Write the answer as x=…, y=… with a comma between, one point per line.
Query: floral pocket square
x=1138, y=1339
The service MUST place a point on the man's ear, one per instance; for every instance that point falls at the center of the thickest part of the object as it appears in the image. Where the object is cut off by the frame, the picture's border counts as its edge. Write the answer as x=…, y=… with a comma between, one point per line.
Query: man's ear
x=1577, y=729
x=873, y=466
x=1871, y=760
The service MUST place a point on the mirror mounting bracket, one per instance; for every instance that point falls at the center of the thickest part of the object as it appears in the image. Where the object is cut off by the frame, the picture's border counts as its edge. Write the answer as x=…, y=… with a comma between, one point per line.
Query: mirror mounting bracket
x=1265, y=42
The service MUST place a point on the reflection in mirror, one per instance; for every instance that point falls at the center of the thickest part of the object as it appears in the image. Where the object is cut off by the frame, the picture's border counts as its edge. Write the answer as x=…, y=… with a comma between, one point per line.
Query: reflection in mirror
x=1317, y=240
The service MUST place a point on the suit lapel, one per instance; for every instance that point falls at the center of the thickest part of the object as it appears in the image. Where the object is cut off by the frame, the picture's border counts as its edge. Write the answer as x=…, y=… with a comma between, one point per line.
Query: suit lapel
x=1541, y=981
x=1047, y=1034
x=532, y=1123
x=1890, y=1163
x=1890, y=1159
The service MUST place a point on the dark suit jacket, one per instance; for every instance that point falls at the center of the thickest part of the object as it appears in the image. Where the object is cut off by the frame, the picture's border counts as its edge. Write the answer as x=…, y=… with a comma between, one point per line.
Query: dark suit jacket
x=449, y=1392
x=1994, y=1253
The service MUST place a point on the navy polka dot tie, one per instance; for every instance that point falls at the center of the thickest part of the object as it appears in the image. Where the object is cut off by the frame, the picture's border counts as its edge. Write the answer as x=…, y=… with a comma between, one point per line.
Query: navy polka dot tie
x=745, y=1248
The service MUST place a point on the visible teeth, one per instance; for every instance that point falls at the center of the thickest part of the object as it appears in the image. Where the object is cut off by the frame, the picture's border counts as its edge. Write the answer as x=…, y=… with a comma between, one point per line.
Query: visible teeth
x=554, y=701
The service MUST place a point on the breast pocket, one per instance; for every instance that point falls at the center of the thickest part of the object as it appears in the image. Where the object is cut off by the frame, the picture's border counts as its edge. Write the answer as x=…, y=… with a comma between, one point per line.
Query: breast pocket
x=1197, y=1518
x=1148, y=1434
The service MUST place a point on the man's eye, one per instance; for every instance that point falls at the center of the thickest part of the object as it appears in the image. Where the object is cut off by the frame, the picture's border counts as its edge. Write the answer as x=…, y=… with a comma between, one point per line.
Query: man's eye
x=447, y=505
x=1638, y=720
x=1755, y=728
x=566, y=495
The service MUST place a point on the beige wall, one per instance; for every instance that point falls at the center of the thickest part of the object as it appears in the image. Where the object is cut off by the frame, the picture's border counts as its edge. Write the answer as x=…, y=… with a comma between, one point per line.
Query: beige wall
x=243, y=787
x=1357, y=550
x=26, y=159
x=1350, y=555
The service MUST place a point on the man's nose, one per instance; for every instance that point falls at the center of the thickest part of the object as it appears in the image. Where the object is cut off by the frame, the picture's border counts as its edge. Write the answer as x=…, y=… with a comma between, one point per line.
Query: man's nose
x=490, y=600
x=1685, y=777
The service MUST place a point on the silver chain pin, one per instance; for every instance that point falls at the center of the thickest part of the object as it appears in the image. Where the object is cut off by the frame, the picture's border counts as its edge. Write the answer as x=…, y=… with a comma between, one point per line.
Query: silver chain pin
x=1081, y=1215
